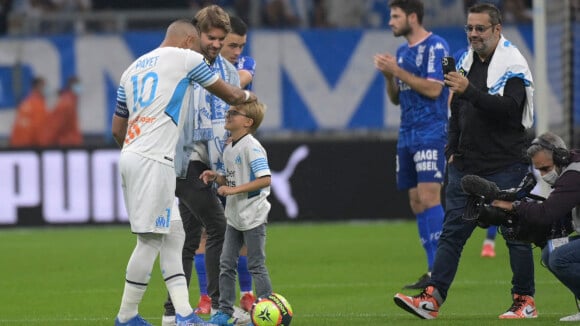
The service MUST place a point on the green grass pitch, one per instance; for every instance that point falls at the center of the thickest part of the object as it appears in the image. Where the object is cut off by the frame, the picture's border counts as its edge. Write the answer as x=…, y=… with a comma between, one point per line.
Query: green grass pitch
x=331, y=273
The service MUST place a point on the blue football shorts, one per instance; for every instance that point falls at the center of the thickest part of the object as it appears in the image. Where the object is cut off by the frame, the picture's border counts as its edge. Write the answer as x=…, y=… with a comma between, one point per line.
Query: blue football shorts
x=421, y=163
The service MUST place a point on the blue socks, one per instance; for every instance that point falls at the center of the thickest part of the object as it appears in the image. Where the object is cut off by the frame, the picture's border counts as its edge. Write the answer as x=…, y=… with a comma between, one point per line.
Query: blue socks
x=201, y=276
x=491, y=232
x=430, y=224
x=244, y=275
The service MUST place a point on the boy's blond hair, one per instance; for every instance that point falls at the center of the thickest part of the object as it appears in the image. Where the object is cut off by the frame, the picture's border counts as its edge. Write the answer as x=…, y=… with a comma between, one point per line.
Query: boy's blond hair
x=254, y=111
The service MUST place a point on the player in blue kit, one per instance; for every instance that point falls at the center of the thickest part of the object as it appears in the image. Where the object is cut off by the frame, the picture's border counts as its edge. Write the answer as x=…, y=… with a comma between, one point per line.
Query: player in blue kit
x=232, y=51
x=415, y=81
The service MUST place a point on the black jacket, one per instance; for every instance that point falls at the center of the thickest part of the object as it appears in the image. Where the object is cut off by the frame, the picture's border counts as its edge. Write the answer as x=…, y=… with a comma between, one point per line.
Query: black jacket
x=485, y=131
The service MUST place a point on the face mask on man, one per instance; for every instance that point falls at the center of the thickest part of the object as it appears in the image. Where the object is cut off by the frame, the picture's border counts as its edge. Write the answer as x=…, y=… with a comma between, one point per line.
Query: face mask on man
x=551, y=177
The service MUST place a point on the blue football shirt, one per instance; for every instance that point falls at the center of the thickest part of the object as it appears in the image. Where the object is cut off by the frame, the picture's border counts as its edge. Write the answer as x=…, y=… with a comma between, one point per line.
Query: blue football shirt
x=423, y=120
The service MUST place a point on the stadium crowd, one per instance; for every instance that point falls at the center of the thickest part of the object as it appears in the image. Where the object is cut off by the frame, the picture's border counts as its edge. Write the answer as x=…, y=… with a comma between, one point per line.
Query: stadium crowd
x=257, y=13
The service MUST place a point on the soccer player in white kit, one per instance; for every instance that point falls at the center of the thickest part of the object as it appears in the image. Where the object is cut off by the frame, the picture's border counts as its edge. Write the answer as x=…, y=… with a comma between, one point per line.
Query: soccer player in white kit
x=151, y=106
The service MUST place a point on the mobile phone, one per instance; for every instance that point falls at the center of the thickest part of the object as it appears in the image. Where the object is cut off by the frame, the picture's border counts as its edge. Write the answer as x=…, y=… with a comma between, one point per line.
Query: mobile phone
x=448, y=64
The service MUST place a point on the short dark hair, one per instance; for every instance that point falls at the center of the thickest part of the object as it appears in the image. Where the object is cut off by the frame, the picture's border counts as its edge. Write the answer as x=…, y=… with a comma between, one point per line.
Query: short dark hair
x=238, y=26
x=488, y=8
x=409, y=7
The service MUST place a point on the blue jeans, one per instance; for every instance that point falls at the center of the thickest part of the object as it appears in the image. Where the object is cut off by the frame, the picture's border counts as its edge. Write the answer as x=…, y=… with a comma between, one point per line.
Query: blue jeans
x=564, y=263
x=456, y=231
x=255, y=240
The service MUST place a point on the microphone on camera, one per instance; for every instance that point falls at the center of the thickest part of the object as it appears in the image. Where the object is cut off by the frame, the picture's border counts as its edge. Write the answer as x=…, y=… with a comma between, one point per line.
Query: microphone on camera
x=478, y=186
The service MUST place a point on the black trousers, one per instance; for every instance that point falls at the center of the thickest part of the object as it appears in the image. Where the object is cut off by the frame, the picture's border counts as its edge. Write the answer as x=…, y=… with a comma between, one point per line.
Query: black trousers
x=200, y=208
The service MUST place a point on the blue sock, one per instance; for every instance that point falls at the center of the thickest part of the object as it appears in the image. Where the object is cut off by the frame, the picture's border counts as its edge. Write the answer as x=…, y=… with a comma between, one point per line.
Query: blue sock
x=244, y=275
x=434, y=217
x=491, y=232
x=201, y=276
x=423, y=227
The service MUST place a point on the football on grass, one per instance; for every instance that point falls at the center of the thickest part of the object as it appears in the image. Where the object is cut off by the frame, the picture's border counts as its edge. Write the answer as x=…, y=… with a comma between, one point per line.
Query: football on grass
x=273, y=310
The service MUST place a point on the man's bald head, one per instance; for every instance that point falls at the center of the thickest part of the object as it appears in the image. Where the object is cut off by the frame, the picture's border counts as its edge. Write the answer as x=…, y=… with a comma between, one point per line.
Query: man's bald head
x=182, y=34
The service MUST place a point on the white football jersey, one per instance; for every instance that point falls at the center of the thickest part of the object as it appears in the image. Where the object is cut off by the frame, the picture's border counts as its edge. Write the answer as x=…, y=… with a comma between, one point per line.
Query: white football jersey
x=155, y=91
x=245, y=161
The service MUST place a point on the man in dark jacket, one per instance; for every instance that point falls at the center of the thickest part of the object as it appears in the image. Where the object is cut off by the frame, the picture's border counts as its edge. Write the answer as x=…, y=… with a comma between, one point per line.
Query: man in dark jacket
x=491, y=108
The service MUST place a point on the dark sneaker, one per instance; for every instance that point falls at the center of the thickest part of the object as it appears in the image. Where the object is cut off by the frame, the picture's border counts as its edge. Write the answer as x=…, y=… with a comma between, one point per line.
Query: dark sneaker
x=421, y=283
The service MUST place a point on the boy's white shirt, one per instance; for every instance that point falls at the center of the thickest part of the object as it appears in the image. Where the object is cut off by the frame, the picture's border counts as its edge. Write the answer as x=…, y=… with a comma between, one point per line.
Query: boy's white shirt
x=245, y=161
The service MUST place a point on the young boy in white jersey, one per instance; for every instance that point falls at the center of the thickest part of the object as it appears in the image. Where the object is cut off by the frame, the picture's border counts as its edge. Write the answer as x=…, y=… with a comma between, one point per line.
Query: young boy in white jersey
x=246, y=186
x=148, y=118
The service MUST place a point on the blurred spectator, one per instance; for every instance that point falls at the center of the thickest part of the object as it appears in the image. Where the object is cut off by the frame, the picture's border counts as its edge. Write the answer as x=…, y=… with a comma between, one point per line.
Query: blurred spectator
x=469, y=3
x=32, y=10
x=63, y=126
x=138, y=4
x=71, y=7
x=319, y=14
x=378, y=14
x=514, y=11
x=239, y=8
x=5, y=7
x=242, y=9
x=279, y=14
x=575, y=7
x=31, y=117
x=198, y=4
x=346, y=13
x=444, y=13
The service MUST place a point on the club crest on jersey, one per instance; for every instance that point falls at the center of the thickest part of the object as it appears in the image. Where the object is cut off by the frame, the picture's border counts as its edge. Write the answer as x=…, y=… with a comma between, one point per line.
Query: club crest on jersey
x=162, y=222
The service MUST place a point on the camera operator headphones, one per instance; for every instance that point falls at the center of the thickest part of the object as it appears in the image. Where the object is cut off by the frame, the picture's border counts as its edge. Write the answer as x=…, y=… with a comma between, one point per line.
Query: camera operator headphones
x=560, y=156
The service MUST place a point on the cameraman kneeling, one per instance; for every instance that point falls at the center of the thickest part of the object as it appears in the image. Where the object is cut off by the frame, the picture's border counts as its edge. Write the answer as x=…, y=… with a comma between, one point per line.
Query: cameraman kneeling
x=561, y=169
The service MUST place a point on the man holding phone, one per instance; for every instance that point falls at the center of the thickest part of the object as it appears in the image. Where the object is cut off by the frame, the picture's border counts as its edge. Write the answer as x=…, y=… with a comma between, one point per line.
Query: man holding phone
x=448, y=65
x=491, y=108
x=414, y=80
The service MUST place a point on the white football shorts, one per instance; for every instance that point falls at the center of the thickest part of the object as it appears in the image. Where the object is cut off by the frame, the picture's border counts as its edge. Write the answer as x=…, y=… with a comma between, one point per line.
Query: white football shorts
x=149, y=193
